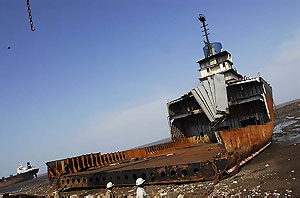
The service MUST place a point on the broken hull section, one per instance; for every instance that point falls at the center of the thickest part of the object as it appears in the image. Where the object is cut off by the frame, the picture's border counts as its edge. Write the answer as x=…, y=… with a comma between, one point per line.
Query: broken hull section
x=243, y=131
x=196, y=153
x=242, y=142
x=198, y=162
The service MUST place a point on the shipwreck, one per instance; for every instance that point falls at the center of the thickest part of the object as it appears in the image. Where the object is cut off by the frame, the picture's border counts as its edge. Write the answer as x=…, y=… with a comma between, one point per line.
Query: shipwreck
x=215, y=128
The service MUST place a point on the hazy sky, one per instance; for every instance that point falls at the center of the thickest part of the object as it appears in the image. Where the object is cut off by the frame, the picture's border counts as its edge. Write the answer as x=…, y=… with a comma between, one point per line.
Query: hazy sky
x=95, y=76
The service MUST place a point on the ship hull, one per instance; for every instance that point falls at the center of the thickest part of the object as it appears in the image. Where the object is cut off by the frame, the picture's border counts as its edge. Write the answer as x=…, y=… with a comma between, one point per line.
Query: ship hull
x=241, y=143
x=18, y=178
x=196, y=153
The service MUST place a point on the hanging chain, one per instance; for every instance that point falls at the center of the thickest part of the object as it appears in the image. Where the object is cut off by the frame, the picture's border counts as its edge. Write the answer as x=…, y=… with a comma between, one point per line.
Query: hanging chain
x=30, y=17
x=217, y=178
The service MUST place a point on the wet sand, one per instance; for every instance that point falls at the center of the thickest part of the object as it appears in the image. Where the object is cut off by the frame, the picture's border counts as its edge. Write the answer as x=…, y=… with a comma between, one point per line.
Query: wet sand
x=275, y=172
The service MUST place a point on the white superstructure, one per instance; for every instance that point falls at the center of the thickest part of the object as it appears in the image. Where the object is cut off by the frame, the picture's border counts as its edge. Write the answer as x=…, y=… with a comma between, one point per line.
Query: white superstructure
x=22, y=169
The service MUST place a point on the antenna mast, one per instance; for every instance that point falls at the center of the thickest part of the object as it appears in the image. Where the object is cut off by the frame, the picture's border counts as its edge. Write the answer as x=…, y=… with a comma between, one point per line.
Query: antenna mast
x=202, y=19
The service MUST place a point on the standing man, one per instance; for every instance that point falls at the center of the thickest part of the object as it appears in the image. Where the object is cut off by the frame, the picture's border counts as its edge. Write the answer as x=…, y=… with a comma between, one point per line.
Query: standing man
x=109, y=192
x=140, y=192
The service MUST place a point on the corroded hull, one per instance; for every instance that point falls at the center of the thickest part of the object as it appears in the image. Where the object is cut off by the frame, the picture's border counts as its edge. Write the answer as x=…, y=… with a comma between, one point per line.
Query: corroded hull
x=240, y=143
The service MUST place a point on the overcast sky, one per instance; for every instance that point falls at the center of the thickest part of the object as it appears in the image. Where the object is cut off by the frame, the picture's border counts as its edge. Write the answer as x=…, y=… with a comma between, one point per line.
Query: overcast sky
x=95, y=76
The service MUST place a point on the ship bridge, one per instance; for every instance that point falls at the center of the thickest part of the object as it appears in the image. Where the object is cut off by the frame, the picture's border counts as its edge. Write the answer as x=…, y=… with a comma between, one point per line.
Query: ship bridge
x=216, y=61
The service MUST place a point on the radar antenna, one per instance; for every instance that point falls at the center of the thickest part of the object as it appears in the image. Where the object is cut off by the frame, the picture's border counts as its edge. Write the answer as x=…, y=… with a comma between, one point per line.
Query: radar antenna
x=202, y=19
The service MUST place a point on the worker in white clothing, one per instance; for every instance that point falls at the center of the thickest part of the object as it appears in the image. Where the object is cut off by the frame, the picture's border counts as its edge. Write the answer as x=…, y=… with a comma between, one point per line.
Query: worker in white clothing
x=109, y=193
x=140, y=192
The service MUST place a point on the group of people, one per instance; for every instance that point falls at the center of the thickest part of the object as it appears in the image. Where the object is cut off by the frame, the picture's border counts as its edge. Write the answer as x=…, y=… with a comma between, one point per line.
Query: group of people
x=140, y=191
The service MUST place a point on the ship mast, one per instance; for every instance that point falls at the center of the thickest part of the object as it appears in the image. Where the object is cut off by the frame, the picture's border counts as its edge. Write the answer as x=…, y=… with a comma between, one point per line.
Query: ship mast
x=202, y=19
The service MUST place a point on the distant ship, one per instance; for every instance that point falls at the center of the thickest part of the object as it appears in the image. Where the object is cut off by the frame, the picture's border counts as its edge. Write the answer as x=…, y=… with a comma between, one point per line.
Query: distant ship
x=23, y=174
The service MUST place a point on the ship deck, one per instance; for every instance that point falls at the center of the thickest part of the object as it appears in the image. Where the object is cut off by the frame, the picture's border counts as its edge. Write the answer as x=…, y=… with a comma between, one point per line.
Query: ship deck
x=201, y=152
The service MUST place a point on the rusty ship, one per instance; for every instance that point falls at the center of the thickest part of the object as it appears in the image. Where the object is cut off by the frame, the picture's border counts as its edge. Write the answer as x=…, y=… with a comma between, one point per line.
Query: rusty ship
x=23, y=174
x=215, y=128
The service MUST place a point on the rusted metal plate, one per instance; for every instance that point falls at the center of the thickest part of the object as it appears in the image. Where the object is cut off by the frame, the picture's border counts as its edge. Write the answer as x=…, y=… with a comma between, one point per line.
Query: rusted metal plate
x=159, y=175
x=186, y=164
x=97, y=160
